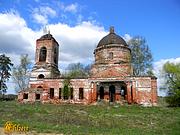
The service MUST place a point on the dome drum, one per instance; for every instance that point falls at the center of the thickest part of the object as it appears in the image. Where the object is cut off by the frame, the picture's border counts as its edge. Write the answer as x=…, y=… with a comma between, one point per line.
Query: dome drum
x=112, y=49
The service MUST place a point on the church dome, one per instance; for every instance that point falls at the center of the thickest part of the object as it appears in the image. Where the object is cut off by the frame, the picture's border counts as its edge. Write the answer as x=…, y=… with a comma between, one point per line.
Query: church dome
x=47, y=37
x=111, y=38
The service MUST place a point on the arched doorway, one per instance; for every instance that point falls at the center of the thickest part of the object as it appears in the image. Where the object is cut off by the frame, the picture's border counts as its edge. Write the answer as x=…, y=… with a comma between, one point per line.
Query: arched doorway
x=112, y=93
x=123, y=92
x=101, y=91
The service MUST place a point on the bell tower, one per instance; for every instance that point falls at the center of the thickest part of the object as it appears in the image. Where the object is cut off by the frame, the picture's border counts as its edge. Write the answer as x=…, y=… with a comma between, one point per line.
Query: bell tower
x=46, y=58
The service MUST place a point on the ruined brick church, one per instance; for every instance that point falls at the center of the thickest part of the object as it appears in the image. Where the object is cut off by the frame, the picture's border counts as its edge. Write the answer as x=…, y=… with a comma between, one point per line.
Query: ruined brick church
x=111, y=78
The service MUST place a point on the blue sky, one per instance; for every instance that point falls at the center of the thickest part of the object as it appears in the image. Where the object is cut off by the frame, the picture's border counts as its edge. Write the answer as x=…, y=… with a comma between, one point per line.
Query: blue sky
x=78, y=25
x=157, y=20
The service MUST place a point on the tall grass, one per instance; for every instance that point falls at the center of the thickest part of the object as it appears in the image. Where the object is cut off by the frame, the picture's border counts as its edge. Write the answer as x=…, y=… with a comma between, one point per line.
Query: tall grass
x=90, y=119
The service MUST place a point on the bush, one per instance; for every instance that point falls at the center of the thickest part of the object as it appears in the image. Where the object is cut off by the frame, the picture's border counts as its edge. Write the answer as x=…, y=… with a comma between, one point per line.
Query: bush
x=172, y=76
x=174, y=99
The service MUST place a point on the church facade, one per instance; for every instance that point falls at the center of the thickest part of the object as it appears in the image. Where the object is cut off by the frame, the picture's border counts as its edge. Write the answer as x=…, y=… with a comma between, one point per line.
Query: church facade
x=111, y=78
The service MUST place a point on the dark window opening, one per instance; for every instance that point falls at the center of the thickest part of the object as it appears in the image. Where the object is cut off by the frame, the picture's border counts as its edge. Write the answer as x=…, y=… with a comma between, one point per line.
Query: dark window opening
x=101, y=92
x=55, y=55
x=51, y=93
x=71, y=93
x=59, y=93
x=25, y=96
x=38, y=96
x=81, y=93
x=131, y=93
x=41, y=76
x=112, y=93
x=111, y=55
x=42, y=54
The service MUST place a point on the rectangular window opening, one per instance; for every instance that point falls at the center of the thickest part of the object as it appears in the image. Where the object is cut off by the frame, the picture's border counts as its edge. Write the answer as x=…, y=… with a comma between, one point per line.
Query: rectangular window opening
x=25, y=96
x=71, y=90
x=59, y=93
x=38, y=96
x=81, y=93
x=51, y=93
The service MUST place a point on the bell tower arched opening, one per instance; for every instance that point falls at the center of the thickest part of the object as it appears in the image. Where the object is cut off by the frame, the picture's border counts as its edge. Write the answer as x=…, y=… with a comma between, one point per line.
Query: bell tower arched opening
x=41, y=76
x=43, y=54
x=55, y=55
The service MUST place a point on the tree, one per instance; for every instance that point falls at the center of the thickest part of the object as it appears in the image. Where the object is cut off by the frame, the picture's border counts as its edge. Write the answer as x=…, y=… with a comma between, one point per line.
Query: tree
x=172, y=76
x=77, y=70
x=66, y=88
x=21, y=73
x=87, y=69
x=5, y=68
x=141, y=57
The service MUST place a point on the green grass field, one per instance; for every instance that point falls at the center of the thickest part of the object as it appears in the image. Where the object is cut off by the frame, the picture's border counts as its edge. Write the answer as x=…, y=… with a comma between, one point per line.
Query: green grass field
x=91, y=119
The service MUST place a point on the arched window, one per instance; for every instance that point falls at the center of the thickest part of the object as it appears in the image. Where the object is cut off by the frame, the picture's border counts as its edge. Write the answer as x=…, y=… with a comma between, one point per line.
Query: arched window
x=41, y=76
x=111, y=55
x=42, y=54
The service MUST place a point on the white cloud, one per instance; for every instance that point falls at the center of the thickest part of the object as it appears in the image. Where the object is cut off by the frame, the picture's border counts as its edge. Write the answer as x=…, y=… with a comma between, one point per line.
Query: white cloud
x=47, y=11
x=15, y=37
x=127, y=37
x=38, y=18
x=42, y=14
x=71, y=8
x=14, y=20
x=68, y=13
x=77, y=43
x=158, y=72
